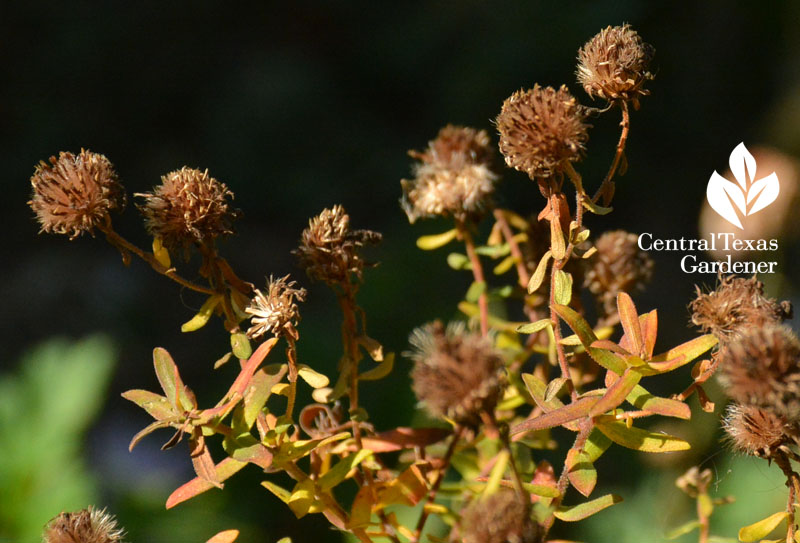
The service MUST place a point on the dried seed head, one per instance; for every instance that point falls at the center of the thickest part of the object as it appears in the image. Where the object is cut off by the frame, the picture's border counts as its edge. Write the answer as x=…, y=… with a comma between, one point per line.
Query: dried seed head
x=755, y=431
x=74, y=194
x=499, y=518
x=188, y=207
x=276, y=311
x=760, y=368
x=329, y=250
x=457, y=374
x=86, y=526
x=618, y=266
x=736, y=305
x=541, y=129
x=613, y=64
x=453, y=175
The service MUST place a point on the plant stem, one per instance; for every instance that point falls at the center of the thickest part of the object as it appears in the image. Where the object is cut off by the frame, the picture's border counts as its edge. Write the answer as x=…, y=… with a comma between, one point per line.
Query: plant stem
x=522, y=271
x=291, y=355
x=623, y=138
x=477, y=273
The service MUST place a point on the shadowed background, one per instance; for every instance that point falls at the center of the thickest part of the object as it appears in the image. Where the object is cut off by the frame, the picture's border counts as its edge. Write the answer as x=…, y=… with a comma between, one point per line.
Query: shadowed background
x=300, y=108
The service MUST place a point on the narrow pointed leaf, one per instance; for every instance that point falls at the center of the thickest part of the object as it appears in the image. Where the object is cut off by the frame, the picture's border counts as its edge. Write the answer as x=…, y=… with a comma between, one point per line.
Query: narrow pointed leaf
x=578, y=409
x=226, y=536
x=258, y=391
x=596, y=444
x=504, y=265
x=203, y=315
x=643, y=400
x=616, y=393
x=689, y=350
x=339, y=472
x=224, y=470
x=156, y=405
x=594, y=208
x=161, y=253
x=649, y=324
x=580, y=471
x=762, y=528
x=429, y=243
x=629, y=318
x=201, y=458
x=683, y=529
x=563, y=287
x=533, y=327
x=578, y=324
x=557, y=239
x=380, y=371
x=639, y=439
x=538, y=275
x=574, y=513
x=278, y=491
x=150, y=428
x=404, y=438
x=170, y=380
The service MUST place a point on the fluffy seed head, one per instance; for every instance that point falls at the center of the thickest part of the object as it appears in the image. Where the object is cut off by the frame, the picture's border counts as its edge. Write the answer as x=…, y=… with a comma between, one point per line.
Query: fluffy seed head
x=457, y=374
x=188, y=207
x=736, y=305
x=541, y=129
x=760, y=368
x=613, y=64
x=276, y=311
x=500, y=518
x=617, y=266
x=453, y=175
x=85, y=526
x=329, y=250
x=755, y=431
x=74, y=194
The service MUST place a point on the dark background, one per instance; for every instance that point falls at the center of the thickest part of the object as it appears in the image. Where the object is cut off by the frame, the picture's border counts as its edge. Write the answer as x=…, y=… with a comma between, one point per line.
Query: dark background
x=299, y=108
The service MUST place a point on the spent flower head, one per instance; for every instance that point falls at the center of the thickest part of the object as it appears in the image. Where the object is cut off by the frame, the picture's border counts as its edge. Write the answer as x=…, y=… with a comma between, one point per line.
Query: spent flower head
x=457, y=374
x=330, y=251
x=499, y=518
x=188, y=207
x=74, y=194
x=613, y=64
x=85, y=526
x=276, y=311
x=756, y=431
x=453, y=176
x=541, y=129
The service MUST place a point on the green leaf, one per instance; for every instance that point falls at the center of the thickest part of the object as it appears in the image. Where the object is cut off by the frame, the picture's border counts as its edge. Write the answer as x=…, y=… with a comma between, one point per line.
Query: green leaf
x=281, y=493
x=680, y=355
x=563, y=287
x=259, y=390
x=240, y=346
x=313, y=378
x=202, y=316
x=643, y=400
x=637, y=438
x=457, y=261
x=337, y=473
x=157, y=406
x=533, y=327
x=578, y=324
x=577, y=409
x=475, y=290
x=161, y=253
x=429, y=243
x=380, y=371
x=616, y=393
x=762, y=528
x=580, y=471
x=596, y=444
x=538, y=276
x=541, y=490
x=170, y=380
x=302, y=498
x=497, y=473
x=683, y=529
x=574, y=513
x=504, y=265
x=629, y=318
x=293, y=450
x=594, y=208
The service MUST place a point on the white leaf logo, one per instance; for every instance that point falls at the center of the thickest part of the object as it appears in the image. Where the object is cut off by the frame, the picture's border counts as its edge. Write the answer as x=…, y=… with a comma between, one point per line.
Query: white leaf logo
x=734, y=201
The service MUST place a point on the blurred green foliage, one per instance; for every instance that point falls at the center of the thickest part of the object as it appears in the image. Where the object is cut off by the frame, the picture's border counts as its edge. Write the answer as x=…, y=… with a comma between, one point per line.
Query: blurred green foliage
x=46, y=407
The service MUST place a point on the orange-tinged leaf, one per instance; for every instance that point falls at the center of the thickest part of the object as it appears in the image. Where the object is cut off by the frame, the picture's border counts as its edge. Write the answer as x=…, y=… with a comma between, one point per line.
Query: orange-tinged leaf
x=581, y=472
x=637, y=438
x=643, y=400
x=578, y=409
x=587, y=336
x=409, y=488
x=224, y=470
x=762, y=528
x=157, y=406
x=616, y=393
x=537, y=278
x=201, y=458
x=258, y=391
x=226, y=536
x=689, y=350
x=239, y=386
x=629, y=318
x=404, y=438
x=163, y=423
x=649, y=324
x=609, y=345
x=361, y=510
x=655, y=368
x=170, y=380
x=574, y=513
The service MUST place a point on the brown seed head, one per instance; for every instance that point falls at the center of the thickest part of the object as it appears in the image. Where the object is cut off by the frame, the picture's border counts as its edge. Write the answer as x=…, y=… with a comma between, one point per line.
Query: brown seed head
x=74, y=194
x=329, y=250
x=86, y=526
x=613, y=64
x=276, y=311
x=457, y=374
x=453, y=175
x=499, y=518
x=760, y=368
x=541, y=129
x=736, y=305
x=617, y=266
x=188, y=207
x=755, y=431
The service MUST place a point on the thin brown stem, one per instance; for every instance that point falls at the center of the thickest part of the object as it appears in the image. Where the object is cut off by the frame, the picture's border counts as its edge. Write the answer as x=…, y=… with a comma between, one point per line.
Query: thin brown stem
x=291, y=355
x=623, y=138
x=477, y=273
x=523, y=274
x=793, y=482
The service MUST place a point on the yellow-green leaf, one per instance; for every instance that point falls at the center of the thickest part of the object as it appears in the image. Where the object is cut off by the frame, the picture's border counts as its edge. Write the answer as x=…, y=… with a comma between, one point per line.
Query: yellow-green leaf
x=475, y=290
x=617, y=392
x=458, y=261
x=302, y=498
x=762, y=528
x=683, y=529
x=574, y=513
x=202, y=316
x=156, y=405
x=533, y=327
x=538, y=276
x=339, y=472
x=563, y=287
x=594, y=208
x=637, y=438
x=314, y=379
x=380, y=371
x=240, y=346
x=161, y=253
x=170, y=380
x=429, y=243
x=578, y=324
x=504, y=265
x=580, y=471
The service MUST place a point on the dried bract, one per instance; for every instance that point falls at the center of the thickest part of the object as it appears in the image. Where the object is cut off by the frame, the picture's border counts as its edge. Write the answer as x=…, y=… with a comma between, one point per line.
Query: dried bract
x=329, y=251
x=755, y=431
x=736, y=305
x=499, y=518
x=453, y=175
x=613, y=64
x=86, y=526
x=457, y=374
x=276, y=311
x=74, y=194
x=541, y=129
x=761, y=368
x=188, y=207
x=618, y=266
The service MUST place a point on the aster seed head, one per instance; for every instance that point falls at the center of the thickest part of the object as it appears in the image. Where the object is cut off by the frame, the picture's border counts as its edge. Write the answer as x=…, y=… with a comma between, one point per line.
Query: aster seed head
x=453, y=177
x=499, y=518
x=73, y=194
x=541, y=129
x=330, y=251
x=188, y=207
x=613, y=64
x=617, y=266
x=756, y=431
x=761, y=367
x=457, y=374
x=85, y=526
x=275, y=312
